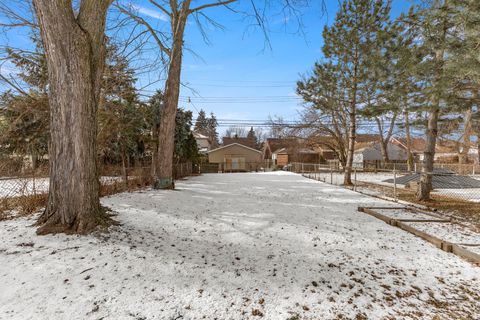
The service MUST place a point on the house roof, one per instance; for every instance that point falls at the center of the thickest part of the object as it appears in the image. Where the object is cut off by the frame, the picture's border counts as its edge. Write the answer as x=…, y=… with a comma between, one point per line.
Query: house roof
x=275, y=144
x=418, y=145
x=239, y=140
x=232, y=144
x=363, y=137
x=290, y=150
x=198, y=135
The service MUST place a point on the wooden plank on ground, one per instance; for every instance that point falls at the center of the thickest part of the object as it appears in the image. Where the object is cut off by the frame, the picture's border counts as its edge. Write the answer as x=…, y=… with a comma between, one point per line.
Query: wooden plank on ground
x=439, y=243
x=466, y=254
x=425, y=236
x=386, y=208
x=424, y=220
x=375, y=214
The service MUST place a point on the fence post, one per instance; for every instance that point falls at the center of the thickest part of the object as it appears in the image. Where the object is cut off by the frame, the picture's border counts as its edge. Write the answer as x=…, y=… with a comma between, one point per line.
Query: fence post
x=395, y=185
x=331, y=175
x=415, y=167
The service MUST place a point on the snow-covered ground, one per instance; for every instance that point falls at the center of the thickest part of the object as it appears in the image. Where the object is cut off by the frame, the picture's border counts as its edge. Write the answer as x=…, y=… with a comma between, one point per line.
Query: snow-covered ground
x=235, y=246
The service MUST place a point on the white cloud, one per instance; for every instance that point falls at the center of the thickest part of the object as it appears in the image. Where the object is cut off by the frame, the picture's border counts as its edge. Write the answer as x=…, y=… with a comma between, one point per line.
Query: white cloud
x=150, y=12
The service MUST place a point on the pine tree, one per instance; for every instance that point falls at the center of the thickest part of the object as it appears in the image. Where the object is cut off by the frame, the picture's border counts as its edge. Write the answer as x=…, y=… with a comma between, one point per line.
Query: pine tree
x=252, y=137
x=121, y=116
x=201, y=124
x=26, y=114
x=212, y=133
x=186, y=149
x=351, y=46
x=434, y=26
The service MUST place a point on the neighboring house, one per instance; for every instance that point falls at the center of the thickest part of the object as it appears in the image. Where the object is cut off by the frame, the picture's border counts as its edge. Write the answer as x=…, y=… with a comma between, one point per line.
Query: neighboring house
x=203, y=142
x=284, y=156
x=248, y=142
x=329, y=149
x=235, y=157
x=417, y=146
x=284, y=151
x=445, y=150
x=274, y=144
x=372, y=154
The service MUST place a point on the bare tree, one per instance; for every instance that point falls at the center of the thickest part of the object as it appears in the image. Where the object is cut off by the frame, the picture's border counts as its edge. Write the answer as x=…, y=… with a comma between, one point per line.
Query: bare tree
x=75, y=50
x=171, y=45
x=236, y=131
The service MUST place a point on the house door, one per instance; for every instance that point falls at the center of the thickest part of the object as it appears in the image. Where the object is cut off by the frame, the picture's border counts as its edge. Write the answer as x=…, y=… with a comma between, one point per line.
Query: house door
x=234, y=164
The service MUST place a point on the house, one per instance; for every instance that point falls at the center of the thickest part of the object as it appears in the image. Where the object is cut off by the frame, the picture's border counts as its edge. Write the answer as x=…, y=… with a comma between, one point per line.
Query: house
x=284, y=156
x=235, y=157
x=245, y=141
x=445, y=150
x=284, y=151
x=203, y=142
x=371, y=153
x=417, y=146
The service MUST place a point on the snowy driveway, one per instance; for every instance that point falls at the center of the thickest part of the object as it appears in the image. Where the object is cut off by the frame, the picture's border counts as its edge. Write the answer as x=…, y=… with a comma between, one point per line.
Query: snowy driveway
x=235, y=246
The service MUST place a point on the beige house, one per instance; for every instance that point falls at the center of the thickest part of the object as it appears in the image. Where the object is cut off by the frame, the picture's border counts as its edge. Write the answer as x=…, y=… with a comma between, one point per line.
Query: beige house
x=235, y=157
x=203, y=142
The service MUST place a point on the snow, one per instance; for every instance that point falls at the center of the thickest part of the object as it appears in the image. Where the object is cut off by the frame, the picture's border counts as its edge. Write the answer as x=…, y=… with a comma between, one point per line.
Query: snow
x=234, y=246
x=448, y=231
x=404, y=214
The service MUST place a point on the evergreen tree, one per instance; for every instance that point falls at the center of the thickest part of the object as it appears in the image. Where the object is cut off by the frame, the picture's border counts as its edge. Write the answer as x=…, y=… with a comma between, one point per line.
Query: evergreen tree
x=252, y=137
x=122, y=129
x=212, y=133
x=186, y=149
x=26, y=113
x=434, y=26
x=351, y=46
x=201, y=124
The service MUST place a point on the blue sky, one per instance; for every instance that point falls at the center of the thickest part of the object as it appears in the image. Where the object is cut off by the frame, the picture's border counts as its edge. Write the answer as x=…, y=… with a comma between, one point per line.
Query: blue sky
x=236, y=77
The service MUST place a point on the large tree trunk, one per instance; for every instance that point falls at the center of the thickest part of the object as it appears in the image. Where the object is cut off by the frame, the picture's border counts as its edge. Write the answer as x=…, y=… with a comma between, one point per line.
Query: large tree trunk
x=75, y=51
x=166, y=133
x=425, y=185
x=385, y=157
x=467, y=131
x=347, y=180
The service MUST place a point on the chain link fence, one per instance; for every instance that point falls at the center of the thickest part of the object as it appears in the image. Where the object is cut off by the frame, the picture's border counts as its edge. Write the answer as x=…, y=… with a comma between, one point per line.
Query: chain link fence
x=456, y=188
x=25, y=191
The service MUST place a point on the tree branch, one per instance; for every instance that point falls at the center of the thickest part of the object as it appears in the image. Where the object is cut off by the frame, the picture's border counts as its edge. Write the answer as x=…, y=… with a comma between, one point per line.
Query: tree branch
x=142, y=21
x=209, y=5
x=159, y=6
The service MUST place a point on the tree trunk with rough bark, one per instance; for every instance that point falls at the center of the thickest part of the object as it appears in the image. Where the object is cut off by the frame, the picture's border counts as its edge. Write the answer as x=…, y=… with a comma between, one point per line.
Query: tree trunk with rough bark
x=425, y=185
x=467, y=131
x=166, y=132
x=410, y=160
x=351, y=145
x=75, y=52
